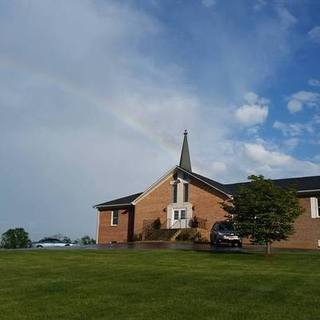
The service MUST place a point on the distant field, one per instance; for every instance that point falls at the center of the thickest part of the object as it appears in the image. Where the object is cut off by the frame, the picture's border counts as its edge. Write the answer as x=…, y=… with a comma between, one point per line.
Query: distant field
x=158, y=284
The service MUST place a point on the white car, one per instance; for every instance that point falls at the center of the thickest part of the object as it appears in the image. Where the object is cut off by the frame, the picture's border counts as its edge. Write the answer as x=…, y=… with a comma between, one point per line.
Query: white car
x=51, y=243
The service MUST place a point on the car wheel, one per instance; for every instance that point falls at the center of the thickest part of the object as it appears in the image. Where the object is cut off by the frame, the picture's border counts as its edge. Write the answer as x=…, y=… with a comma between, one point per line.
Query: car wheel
x=239, y=245
x=39, y=246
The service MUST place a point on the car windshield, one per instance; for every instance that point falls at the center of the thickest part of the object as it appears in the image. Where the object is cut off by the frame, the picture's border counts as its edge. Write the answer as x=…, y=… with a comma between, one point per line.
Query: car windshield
x=226, y=227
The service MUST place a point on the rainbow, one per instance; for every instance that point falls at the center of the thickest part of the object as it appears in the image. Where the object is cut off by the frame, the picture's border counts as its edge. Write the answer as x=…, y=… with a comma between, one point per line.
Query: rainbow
x=96, y=100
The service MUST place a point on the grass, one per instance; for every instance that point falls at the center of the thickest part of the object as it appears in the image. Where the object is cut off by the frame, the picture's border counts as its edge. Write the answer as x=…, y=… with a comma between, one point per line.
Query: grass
x=158, y=284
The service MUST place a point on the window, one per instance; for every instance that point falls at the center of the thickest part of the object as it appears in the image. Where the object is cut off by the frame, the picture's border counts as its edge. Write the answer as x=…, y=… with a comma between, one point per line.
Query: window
x=114, y=217
x=186, y=192
x=179, y=214
x=175, y=193
x=315, y=210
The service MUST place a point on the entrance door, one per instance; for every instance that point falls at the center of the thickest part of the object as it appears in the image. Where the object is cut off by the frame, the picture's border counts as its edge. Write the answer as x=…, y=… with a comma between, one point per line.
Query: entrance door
x=179, y=219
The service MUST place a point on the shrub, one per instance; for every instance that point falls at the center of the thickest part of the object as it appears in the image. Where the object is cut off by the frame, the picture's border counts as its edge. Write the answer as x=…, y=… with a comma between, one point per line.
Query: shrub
x=186, y=235
x=199, y=238
x=137, y=237
x=194, y=223
x=191, y=235
x=156, y=224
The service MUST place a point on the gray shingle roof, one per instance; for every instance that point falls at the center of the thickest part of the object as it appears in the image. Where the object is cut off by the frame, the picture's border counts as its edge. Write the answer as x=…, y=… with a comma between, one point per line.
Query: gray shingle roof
x=300, y=184
x=213, y=183
x=124, y=201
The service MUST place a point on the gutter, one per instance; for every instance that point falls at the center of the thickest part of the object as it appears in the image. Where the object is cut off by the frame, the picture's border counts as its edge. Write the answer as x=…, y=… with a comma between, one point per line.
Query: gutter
x=113, y=205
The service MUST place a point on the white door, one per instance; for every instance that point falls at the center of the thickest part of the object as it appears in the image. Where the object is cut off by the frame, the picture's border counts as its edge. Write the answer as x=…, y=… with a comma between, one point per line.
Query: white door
x=179, y=219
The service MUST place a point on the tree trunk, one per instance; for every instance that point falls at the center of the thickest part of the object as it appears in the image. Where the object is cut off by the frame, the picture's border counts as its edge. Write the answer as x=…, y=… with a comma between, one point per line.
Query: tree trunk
x=268, y=248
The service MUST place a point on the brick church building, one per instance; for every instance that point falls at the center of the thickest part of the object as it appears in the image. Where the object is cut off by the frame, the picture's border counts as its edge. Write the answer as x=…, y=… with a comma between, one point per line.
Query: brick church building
x=180, y=195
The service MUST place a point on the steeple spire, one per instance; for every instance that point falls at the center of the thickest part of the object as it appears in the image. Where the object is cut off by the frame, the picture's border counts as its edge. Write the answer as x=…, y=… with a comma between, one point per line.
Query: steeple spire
x=185, y=162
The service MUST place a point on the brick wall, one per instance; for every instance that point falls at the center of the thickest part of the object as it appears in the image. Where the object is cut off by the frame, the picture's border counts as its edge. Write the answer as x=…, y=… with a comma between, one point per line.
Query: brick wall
x=307, y=230
x=107, y=232
x=206, y=204
x=153, y=205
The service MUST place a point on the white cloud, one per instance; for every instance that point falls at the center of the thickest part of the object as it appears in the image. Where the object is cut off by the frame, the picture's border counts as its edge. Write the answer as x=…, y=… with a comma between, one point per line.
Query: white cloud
x=261, y=155
x=250, y=115
x=294, y=105
x=287, y=19
x=291, y=143
x=209, y=3
x=314, y=82
x=273, y=163
x=293, y=129
x=254, y=112
x=303, y=98
x=218, y=167
x=314, y=34
x=259, y=5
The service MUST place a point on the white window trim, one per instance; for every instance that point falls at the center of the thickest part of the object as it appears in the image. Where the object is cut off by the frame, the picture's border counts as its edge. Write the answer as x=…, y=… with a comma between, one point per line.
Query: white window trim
x=111, y=222
x=314, y=208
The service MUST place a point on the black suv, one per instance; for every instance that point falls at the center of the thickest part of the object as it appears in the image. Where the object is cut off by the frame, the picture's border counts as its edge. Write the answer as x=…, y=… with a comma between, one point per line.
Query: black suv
x=224, y=232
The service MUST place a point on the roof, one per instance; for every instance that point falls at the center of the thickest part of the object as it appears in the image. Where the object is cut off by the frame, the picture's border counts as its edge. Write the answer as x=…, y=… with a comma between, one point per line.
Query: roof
x=215, y=184
x=301, y=184
x=124, y=201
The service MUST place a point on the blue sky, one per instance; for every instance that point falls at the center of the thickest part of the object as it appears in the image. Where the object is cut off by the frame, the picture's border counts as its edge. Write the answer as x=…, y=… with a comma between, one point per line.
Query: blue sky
x=95, y=95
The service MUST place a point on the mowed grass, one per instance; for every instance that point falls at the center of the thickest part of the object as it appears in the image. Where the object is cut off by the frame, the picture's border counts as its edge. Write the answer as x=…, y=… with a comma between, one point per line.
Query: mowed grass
x=158, y=284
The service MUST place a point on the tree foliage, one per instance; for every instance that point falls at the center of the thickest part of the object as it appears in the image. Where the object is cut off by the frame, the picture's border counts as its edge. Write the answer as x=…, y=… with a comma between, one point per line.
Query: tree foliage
x=85, y=240
x=263, y=212
x=15, y=238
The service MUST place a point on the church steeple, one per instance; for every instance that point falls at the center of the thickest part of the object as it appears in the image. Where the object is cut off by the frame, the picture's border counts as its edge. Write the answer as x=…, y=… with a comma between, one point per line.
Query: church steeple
x=185, y=162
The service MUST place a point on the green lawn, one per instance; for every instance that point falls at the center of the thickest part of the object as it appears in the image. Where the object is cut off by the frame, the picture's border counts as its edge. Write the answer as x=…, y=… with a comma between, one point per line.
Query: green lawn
x=159, y=284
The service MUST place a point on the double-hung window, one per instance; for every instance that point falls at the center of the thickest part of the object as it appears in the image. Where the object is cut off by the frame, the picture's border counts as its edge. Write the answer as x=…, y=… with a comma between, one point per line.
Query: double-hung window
x=315, y=207
x=114, y=217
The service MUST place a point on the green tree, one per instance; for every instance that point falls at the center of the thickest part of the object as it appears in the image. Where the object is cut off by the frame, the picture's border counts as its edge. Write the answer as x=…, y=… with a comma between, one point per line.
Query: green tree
x=15, y=238
x=263, y=212
x=85, y=240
